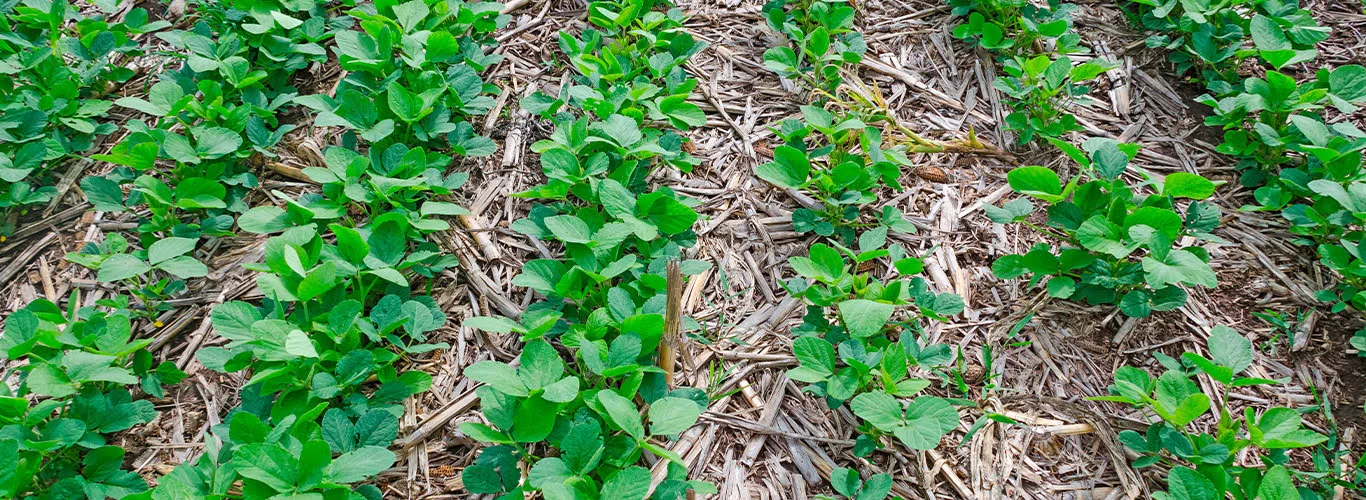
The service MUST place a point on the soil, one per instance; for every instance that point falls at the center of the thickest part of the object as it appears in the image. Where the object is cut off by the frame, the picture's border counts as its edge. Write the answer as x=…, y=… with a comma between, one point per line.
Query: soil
x=1351, y=390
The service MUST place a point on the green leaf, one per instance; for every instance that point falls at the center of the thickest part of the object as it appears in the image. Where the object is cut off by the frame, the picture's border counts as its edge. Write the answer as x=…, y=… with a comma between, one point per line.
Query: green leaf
x=616, y=199
x=499, y=376
x=1187, y=185
x=845, y=481
x=569, y=229
x=20, y=335
x=233, y=320
x=406, y=105
x=548, y=474
x=1163, y=220
x=540, y=275
x=264, y=220
x=789, y=168
x=167, y=248
x=318, y=281
x=631, y=483
x=876, y=488
x=161, y=99
x=298, y=344
x=184, y=267
x=781, y=60
x=1184, y=483
x=1179, y=401
x=1109, y=161
x=1230, y=349
x=865, y=318
x=879, y=409
x=1100, y=235
x=816, y=355
x=482, y=479
x=1039, y=182
x=1180, y=266
x=1277, y=485
x=195, y=193
x=1335, y=191
x=121, y=267
x=493, y=324
x=48, y=380
x=1281, y=428
x=682, y=114
x=622, y=413
x=268, y=463
x=1009, y=267
x=216, y=142
x=103, y=193
x=361, y=464
x=535, y=419
x=1061, y=287
x=541, y=365
x=670, y=416
x=1348, y=82
x=582, y=446
x=1136, y=304
x=411, y=14
x=350, y=243
x=823, y=264
x=1012, y=211
x=669, y=215
x=388, y=241
x=620, y=129
x=928, y=419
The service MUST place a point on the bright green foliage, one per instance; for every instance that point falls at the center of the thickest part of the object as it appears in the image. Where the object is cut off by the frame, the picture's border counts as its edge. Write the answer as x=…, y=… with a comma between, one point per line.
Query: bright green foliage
x=1333, y=219
x=823, y=39
x=1279, y=130
x=1312, y=170
x=290, y=455
x=1275, y=126
x=1033, y=44
x=391, y=180
x=114, y=263
x=841, y=161
x=336, y=316
x=847, y=483
x=1266, y=118
x=1041, y=89
x=631, y=64
x=55, y=65
x=1015, y=28
x=1118, y=246
x=581, y=151
x=208, y=117
x=617, y=236
x=858, y=316
x=300, y=266
x=329, y=363
x=324, y=394
x=79, y=362
x=838, y=157
x=1212, y=39
x=583, y=397
x=414, y=75
x=599, y=431
x=1207, y=465
x=283, y=36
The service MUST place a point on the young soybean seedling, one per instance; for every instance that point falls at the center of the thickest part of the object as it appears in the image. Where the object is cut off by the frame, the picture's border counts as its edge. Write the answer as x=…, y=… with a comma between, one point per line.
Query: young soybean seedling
x=848, y=485
x=1117, y=246
x=1211, y=460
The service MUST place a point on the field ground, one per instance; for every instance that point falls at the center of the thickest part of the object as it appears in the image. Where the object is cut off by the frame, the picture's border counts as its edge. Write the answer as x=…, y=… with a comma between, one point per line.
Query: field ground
x=766, y=439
